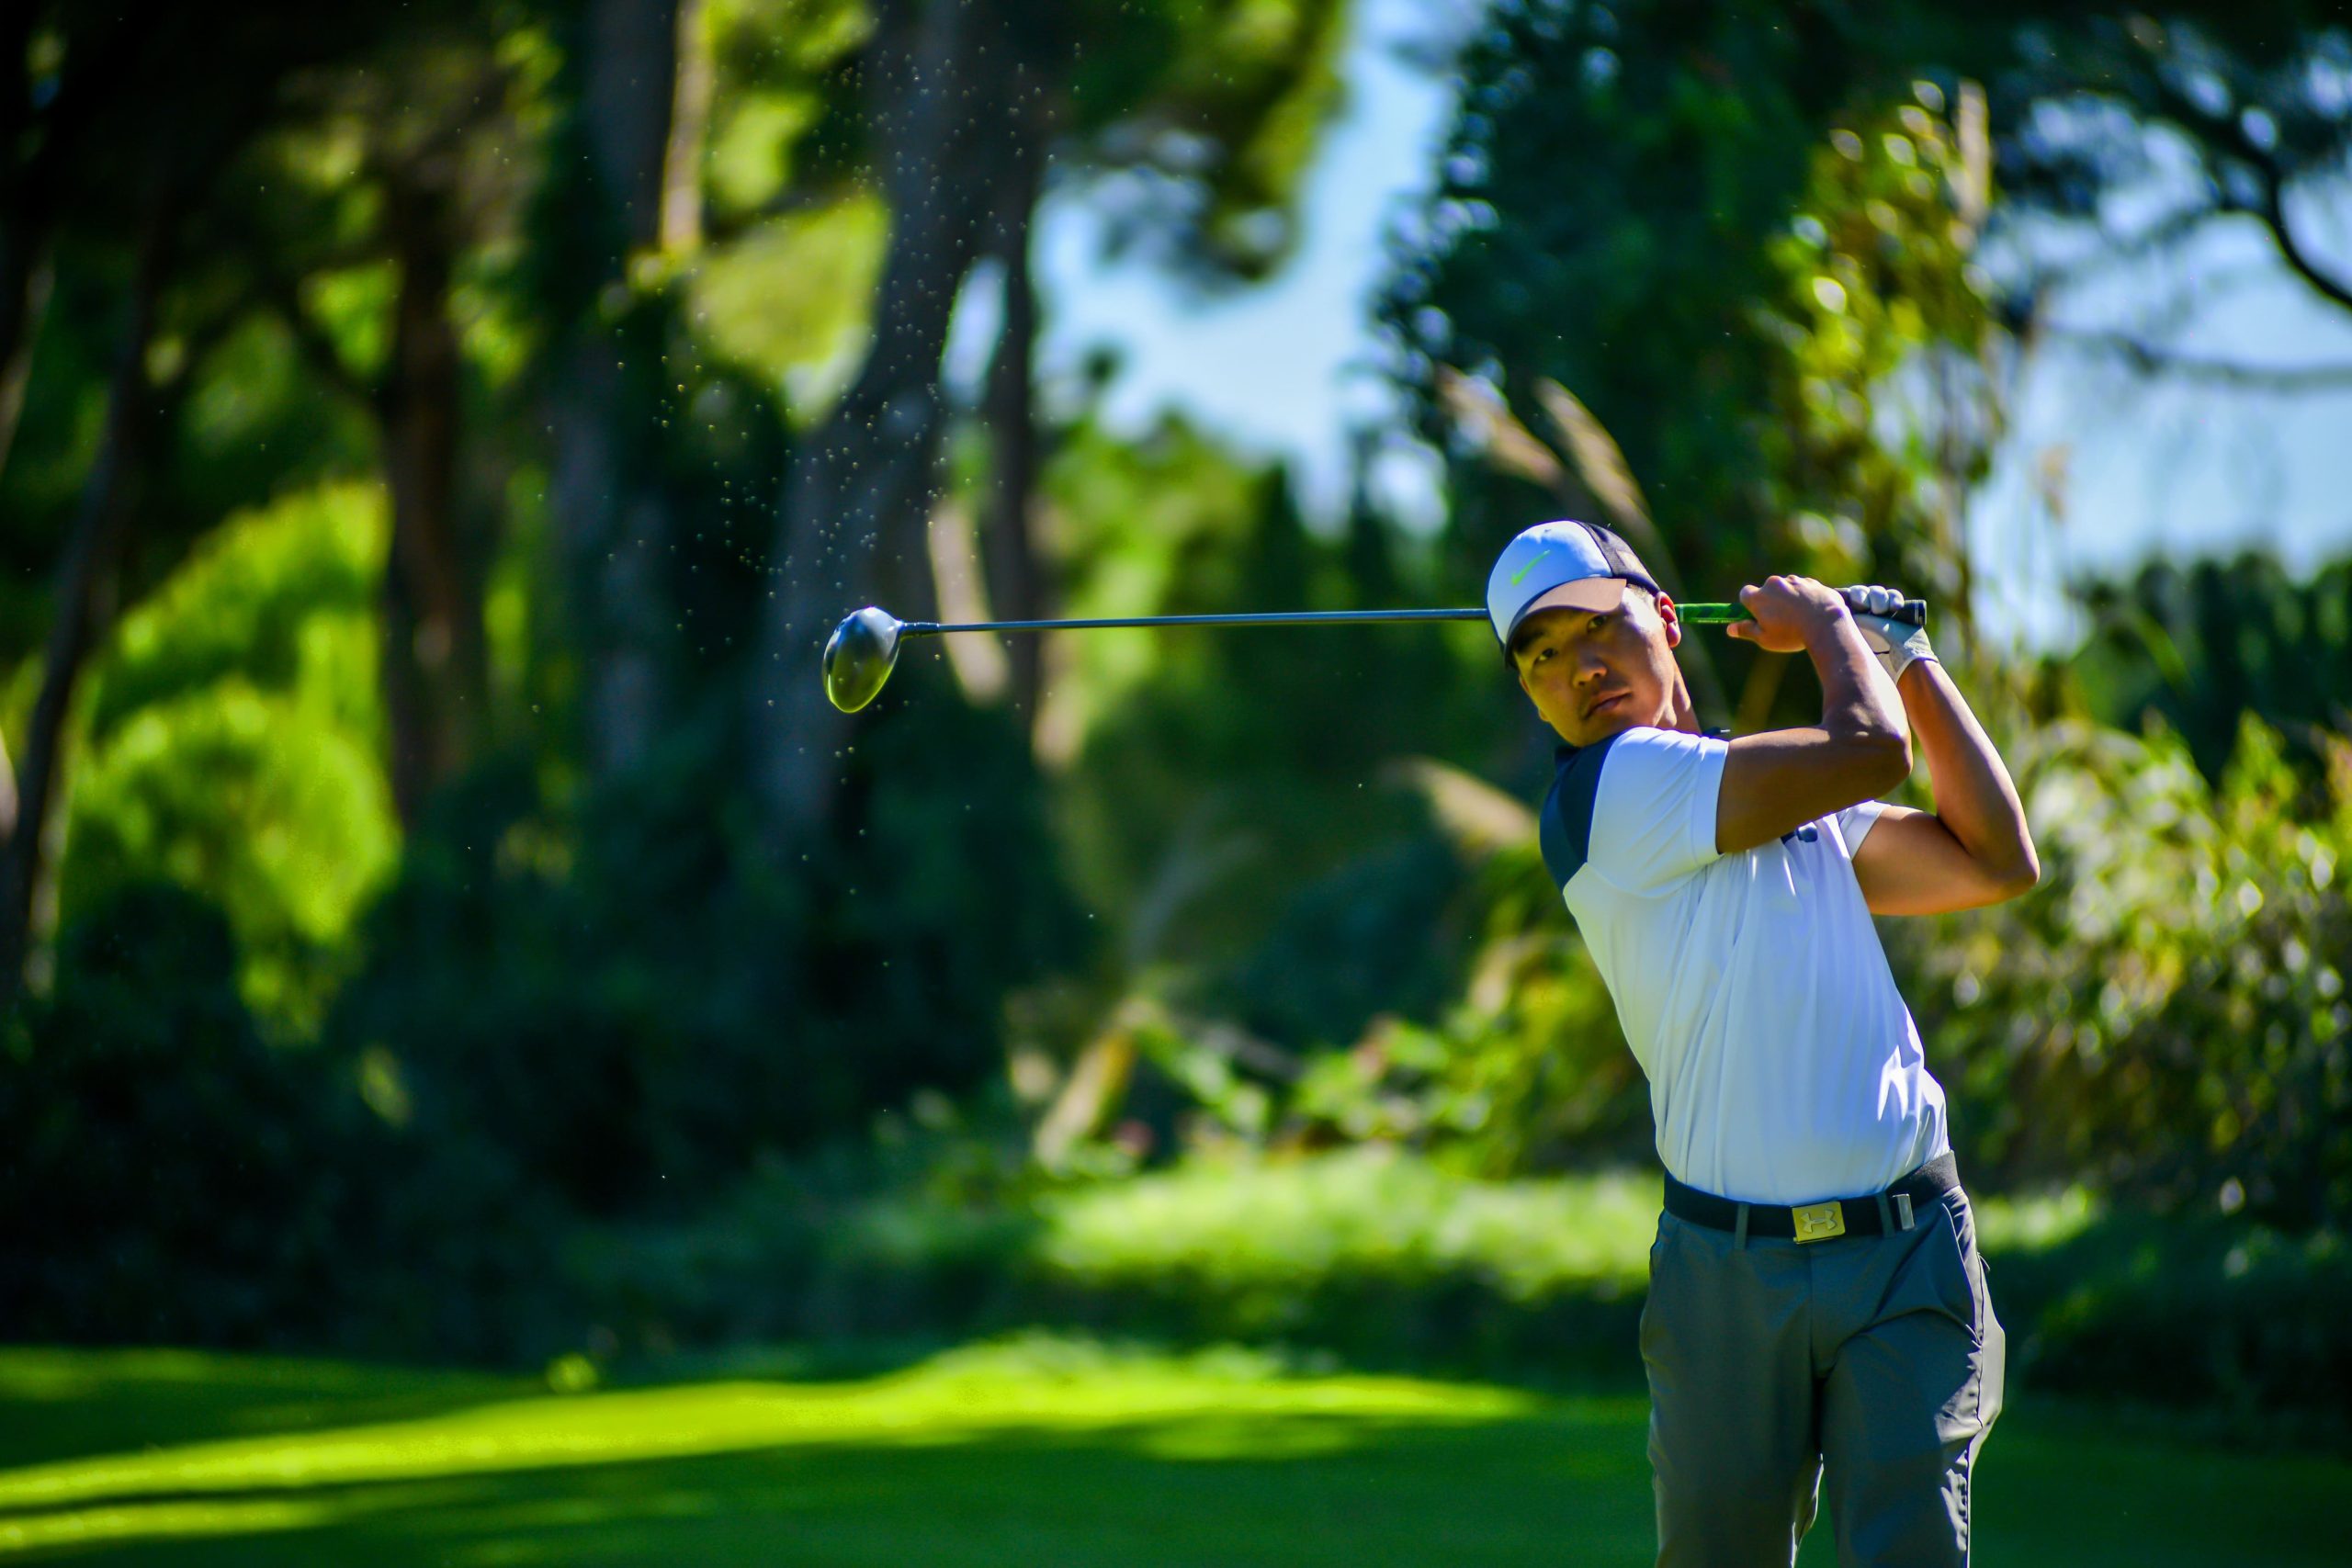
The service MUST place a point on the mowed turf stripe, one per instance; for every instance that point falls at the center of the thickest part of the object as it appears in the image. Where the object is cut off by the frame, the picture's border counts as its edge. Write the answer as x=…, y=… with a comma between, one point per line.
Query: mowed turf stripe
x=939, y=1404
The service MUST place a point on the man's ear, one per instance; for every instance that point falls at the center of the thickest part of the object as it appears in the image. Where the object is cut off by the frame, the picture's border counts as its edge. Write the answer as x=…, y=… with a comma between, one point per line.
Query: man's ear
x=1672, y=622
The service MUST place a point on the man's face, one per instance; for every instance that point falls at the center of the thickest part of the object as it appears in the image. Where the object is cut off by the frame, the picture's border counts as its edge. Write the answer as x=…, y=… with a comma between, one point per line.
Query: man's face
x=1593, y=674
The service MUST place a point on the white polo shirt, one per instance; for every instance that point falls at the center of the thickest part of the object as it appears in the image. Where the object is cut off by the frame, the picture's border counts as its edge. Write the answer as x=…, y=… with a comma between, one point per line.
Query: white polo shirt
x=1783, y=1065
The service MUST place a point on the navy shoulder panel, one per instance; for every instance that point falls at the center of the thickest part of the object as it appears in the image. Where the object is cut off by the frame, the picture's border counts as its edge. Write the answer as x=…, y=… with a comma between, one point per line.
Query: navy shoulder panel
x=1565, y=827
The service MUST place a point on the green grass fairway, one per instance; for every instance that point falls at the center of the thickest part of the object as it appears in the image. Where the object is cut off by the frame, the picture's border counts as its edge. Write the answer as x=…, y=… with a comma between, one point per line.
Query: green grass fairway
x=1043, y=1452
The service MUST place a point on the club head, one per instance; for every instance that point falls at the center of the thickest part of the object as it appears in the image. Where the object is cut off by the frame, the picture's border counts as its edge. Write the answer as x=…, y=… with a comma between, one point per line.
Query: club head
x=859, y=658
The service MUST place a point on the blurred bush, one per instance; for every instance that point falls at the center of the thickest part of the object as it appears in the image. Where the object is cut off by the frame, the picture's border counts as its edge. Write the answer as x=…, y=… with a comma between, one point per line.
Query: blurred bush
x=168, y=1176
x=2235, y=1319
x=2200, y=644
x=636, y=1002
x=2164, y=1018
x=1375, y=1253
x=1386, y=1258
x=165, y=1176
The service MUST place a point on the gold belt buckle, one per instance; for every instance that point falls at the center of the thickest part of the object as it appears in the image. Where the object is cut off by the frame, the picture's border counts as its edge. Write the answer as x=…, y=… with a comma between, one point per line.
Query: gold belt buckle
x=1819, y=1222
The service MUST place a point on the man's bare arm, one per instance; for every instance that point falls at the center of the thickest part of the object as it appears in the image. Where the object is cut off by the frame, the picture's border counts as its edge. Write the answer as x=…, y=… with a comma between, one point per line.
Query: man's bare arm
x=1974, y=848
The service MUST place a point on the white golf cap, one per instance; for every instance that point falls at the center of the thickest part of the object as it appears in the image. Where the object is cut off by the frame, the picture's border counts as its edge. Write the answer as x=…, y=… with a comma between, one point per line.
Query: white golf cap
x=1580, y=566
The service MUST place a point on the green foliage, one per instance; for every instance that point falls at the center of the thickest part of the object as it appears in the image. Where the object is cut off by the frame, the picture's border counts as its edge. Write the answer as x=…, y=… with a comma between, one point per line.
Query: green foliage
x=233, y=746
x=282, y=597
x=172, y=1178
x=2241, y=98
x=1378, y=934
x=1388, y=1257
x=784, y=107
x=1634, y=283
x=1519, y=1067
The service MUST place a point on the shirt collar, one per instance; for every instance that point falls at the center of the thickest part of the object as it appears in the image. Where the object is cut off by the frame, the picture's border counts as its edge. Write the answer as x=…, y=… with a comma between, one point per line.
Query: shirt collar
x=1563, y=751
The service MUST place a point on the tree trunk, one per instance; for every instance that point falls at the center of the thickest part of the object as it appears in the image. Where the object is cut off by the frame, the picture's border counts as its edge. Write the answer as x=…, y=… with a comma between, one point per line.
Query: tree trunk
x=1015, y=575
x=435, y=673
x=689, y=127
x=862, y=487
x=25, y=274
x=88, y=581
x=611, y=517
x=24, y=224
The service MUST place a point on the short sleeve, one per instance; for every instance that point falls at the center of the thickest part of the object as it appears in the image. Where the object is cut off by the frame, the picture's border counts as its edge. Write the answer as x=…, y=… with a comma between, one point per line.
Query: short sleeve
x=1854, y=824
x=1653, y=807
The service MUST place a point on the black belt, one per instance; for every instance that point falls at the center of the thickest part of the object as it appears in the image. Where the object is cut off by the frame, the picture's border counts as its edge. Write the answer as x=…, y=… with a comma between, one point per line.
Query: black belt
x=1896, y=1209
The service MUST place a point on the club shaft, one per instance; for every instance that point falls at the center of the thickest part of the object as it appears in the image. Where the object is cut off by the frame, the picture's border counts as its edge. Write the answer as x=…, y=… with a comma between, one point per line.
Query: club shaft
x=1696, y=614
x=1273, y=618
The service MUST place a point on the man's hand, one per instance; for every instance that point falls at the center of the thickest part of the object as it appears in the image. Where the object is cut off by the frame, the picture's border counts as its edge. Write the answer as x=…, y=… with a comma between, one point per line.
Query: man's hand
x=1896, y=643
x=1788, y=612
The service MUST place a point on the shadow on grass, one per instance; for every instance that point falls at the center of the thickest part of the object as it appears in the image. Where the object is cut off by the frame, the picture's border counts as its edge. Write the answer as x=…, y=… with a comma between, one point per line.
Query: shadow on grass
x=1041, y=1452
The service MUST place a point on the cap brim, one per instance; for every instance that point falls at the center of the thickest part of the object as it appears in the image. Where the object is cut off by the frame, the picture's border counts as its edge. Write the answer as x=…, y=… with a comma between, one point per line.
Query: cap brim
x=1594, y=594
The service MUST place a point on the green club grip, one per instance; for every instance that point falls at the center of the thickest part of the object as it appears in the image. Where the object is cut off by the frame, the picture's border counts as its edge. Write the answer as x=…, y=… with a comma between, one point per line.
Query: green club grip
x=1912, y=612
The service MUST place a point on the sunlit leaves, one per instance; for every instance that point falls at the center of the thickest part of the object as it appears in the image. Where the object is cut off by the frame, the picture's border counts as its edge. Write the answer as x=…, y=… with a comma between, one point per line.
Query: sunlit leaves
x=232, y=744
x=1878, y=316
x=788, y=300
x=750, y=157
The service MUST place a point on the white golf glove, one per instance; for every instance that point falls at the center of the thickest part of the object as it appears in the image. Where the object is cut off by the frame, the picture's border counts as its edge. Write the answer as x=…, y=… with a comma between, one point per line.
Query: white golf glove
x=1896, y=643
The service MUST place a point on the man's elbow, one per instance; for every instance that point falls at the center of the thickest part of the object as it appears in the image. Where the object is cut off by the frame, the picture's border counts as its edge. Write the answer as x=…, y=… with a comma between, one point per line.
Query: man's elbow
x=2021, y=876
x=1885, y=758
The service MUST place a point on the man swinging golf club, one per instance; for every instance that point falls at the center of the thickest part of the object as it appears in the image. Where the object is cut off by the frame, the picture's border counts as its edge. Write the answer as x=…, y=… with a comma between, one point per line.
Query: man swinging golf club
x=1819, y=1321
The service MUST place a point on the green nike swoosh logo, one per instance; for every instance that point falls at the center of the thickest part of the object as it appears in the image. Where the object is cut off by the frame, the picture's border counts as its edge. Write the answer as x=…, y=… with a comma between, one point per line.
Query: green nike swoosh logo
x=1530, y=565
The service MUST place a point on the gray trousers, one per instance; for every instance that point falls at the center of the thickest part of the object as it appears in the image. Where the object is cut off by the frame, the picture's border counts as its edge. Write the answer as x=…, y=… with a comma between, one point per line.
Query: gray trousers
x=1864, y=1368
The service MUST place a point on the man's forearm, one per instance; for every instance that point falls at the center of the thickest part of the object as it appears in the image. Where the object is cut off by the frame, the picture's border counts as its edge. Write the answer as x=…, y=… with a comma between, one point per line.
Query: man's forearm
x=1857, y=698
x=1975, y=800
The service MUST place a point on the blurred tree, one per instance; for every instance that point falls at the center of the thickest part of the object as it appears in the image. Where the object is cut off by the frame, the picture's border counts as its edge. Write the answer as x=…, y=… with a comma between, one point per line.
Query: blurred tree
x=399, y=166
x=961, y=110
x=86, y=602
x=2208, y=116
x=1768, y=224
x=1672, y=285
x=2205, y=644
x=136, y=114
x=600, y=225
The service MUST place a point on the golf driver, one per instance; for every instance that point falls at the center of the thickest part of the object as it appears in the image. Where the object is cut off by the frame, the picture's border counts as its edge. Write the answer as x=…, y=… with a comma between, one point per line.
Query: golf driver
x=864, y=649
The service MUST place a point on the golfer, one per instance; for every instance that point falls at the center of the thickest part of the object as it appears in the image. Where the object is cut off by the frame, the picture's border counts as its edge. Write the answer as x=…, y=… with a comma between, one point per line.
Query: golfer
x=1818, y=1322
